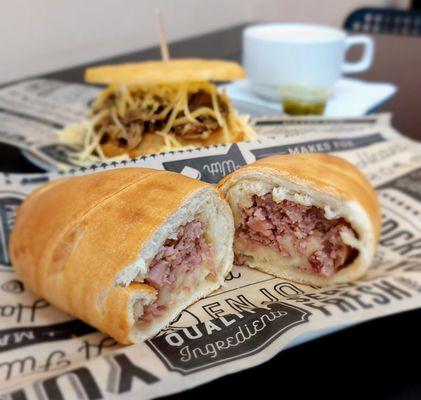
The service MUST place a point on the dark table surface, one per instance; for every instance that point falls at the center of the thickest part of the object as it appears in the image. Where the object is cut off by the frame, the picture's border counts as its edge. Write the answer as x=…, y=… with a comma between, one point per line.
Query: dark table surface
x=377, y=359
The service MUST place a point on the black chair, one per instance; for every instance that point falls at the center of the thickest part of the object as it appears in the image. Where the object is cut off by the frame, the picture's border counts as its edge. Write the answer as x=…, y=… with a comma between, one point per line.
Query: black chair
x=384, y=20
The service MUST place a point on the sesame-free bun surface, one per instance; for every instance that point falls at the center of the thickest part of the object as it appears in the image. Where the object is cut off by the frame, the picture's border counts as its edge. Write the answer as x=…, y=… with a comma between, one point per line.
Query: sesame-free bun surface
x=165, y=72
x=85, y=243
x=322, y=180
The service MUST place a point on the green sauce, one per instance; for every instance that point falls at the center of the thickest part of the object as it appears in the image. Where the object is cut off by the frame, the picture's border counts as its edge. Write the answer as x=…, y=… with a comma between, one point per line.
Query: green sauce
x=294, y=107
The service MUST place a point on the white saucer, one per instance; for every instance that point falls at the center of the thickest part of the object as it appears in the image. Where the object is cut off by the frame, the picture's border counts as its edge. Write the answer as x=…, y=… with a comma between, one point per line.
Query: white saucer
x=350, y=97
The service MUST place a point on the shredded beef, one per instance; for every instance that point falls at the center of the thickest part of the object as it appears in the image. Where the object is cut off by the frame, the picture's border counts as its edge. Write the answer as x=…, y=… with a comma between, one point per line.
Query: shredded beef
x=149, y=119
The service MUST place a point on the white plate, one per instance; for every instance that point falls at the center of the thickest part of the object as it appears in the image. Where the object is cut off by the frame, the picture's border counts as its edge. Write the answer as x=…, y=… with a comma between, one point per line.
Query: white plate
x=40, y=163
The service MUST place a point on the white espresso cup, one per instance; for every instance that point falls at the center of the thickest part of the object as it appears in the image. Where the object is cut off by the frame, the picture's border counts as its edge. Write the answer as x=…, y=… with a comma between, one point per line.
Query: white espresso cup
x=304, y=55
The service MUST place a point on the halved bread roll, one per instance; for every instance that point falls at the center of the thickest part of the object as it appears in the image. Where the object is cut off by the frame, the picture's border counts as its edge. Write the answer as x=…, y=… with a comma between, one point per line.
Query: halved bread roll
x=311, y=218
x=124, y=250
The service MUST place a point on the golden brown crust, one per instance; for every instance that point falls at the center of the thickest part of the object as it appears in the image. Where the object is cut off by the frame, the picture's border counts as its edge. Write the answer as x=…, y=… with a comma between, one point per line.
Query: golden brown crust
x=116, y=310
x=160, y=72
x=99, y=215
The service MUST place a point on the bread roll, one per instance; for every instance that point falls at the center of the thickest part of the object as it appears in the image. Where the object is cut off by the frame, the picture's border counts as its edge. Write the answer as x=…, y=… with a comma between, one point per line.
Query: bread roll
x=310, y=218
x=124, y=250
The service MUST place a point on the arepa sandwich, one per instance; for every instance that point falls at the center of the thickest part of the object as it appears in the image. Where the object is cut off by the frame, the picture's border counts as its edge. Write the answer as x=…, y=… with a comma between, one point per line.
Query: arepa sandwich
x=157, y=106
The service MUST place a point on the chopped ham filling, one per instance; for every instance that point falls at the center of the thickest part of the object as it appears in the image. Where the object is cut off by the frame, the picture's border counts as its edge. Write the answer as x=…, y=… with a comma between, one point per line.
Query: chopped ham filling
x=297, y=230
x=176, y=267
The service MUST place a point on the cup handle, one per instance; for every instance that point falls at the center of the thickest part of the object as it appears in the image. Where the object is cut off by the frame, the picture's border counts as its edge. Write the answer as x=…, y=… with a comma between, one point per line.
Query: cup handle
x=366, y=59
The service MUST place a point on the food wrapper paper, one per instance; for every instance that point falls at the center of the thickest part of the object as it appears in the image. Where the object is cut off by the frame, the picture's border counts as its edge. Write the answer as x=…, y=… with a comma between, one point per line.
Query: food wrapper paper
x=47, y=354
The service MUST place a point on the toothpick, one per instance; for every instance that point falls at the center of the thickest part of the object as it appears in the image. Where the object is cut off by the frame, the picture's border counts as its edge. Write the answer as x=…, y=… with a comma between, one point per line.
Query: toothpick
x=163, y=44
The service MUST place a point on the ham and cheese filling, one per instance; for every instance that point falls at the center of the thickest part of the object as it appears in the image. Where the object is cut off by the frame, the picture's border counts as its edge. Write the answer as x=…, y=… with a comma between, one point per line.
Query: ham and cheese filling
x=179, y=267
x=297, y=232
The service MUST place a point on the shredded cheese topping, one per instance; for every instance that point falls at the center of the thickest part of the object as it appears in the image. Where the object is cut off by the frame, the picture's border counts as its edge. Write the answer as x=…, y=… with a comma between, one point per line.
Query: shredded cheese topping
x=156, y=103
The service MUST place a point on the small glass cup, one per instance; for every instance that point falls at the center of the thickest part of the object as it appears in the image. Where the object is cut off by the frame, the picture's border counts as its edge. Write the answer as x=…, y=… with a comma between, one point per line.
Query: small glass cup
x=303, y=100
